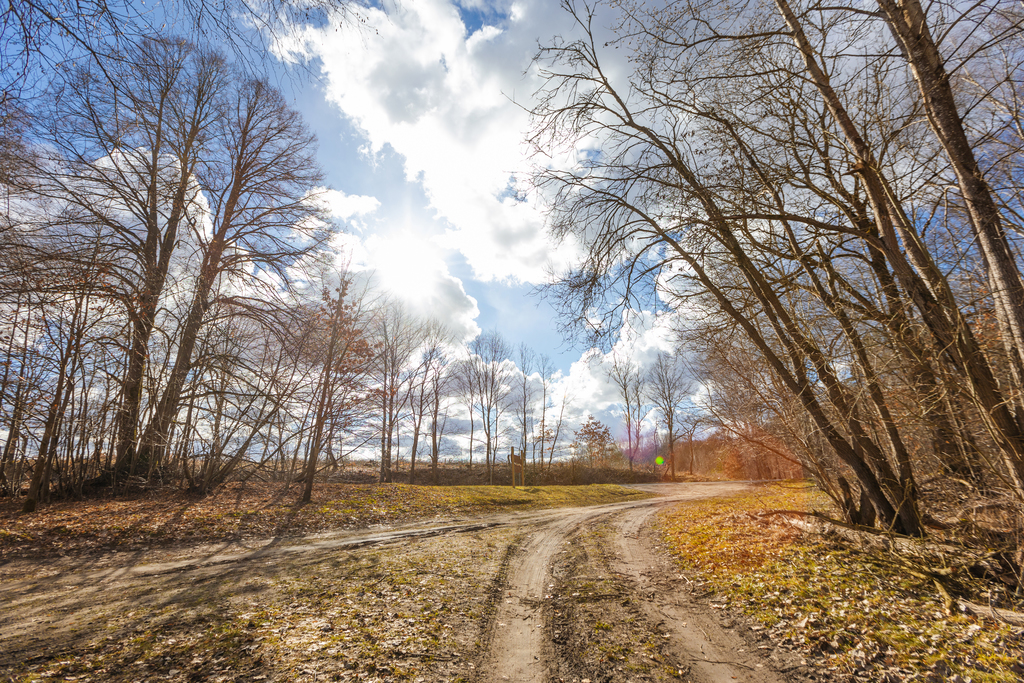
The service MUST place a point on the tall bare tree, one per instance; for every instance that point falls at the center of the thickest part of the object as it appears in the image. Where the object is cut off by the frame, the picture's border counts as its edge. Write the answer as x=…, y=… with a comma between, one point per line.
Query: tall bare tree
x=158, y=222
x=546, y=371
x=126, y=142
x=396, y=336
x=490, y=370
x=668, y=387
x=260, y=181
x=440, y=387
x=427, y=389
x=340, y=383
x=631, y=384
x=719, y=189
x=524, y=394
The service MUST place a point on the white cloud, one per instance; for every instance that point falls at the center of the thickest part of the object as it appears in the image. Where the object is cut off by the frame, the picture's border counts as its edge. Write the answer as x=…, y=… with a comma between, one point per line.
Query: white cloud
x=412, y=268
x=641, y=338
x=439, y=95
x=345, y=206
x=451, y=101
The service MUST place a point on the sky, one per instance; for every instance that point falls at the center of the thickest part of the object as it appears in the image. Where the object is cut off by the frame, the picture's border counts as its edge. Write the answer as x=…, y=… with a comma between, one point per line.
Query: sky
x=421, y=113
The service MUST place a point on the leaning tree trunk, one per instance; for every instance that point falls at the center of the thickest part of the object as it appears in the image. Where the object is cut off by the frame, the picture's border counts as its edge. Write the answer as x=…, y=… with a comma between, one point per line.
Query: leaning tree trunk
x=927, y=286
x=909, y=25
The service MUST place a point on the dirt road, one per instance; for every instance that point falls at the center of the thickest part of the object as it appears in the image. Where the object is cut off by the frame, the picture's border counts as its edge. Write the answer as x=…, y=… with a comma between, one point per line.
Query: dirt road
x=579, y=594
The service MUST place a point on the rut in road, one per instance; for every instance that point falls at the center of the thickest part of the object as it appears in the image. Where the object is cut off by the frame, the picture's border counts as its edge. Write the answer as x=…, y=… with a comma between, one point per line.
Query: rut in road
x=519, y=646
x=715, y=654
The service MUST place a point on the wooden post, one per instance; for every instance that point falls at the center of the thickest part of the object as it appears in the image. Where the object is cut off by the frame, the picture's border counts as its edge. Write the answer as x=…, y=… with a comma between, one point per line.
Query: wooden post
x=517, y=462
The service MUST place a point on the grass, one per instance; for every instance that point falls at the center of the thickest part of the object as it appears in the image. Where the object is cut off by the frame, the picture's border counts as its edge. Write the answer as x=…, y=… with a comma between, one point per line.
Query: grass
x=853, y=615
x=170, y=517
x=370, y=615
x=478, y=498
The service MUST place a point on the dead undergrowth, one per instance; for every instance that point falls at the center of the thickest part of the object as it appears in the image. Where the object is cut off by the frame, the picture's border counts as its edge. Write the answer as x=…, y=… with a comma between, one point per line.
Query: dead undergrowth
x=851, y=613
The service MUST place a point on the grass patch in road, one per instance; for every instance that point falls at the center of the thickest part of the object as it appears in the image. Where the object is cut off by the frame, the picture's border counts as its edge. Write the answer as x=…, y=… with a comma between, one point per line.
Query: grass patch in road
x=482, y=498
x=841, y=609
x=255, y=510
x=598, y=630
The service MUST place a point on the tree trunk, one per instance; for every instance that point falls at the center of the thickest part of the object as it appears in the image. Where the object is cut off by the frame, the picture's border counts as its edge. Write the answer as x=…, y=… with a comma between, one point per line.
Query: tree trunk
x=472, y=428
x=412, y=453
x=909, y=25
x=936, y=303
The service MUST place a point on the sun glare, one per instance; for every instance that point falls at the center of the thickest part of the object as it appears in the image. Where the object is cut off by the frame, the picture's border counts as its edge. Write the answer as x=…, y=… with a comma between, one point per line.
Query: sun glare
x=406, y=266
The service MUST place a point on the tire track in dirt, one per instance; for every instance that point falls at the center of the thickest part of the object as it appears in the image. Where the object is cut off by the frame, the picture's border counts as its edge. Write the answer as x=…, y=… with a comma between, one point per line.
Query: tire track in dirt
x=518, y=645
x=717, y=652
x=518, y=648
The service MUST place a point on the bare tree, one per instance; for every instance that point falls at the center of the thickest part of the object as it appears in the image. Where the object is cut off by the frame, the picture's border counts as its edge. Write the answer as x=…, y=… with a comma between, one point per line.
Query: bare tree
x=16, y=401
x=42, y=36
x=427, y=389
x=668, y=387
x=524, y=395
x=490, y=372
x=795, y=260
x=912, y=28
x=396, y=337
x=465, y=380
x=153, y=246
x=261, y=186
x=345, y=363
x=440, y=386
x=546, y=370
x=554, y=435
x=67, y=338
x=125, y=151
x=631, y=384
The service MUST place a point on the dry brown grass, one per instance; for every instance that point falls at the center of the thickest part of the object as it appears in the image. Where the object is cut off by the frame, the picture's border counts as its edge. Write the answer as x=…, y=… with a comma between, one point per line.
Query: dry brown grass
x=169, y=517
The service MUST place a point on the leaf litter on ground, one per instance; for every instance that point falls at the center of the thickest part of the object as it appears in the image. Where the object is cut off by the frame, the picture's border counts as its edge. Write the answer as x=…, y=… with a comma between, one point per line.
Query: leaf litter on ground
x=379, y=614
x=850, y=615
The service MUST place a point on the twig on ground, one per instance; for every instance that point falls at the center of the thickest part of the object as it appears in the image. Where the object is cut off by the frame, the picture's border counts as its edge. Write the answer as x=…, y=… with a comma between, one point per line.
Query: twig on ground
x=1004, y=615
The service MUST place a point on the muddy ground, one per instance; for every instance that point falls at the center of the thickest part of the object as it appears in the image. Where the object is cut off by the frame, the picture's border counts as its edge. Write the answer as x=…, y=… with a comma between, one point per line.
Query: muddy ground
x=579, y=594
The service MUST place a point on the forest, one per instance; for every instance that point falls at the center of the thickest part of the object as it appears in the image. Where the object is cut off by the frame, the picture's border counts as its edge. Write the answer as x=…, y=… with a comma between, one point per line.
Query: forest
x=174, y=313
x=823, y=199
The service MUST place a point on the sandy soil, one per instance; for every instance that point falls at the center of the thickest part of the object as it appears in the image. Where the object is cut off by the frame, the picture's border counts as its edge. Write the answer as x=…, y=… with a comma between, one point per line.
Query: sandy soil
x=581, y=594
